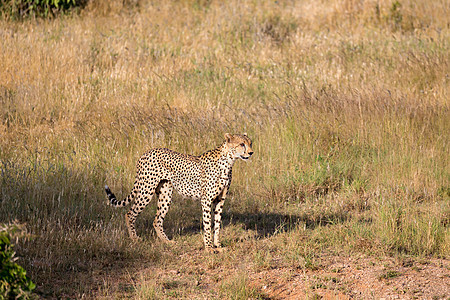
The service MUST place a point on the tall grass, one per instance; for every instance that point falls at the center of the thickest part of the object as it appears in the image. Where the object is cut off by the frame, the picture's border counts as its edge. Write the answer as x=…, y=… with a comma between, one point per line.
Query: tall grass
x=346, y=101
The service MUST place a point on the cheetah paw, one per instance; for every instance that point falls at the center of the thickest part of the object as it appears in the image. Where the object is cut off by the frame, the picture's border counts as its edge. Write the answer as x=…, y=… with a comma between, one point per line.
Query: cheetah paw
x=215, y=250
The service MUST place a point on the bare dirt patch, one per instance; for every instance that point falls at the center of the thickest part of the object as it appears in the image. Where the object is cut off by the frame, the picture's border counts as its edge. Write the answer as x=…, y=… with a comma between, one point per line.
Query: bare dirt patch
x=360, y=278
x=197, y=275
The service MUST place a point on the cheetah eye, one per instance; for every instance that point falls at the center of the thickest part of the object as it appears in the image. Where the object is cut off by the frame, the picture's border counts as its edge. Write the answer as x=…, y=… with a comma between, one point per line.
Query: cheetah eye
x=242, y=145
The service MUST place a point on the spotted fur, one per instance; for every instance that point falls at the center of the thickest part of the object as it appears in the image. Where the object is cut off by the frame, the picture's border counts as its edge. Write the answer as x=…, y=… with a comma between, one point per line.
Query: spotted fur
x=206, y=177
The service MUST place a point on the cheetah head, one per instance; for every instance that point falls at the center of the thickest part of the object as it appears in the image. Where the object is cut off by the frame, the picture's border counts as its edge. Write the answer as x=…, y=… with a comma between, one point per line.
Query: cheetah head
x=240, y=145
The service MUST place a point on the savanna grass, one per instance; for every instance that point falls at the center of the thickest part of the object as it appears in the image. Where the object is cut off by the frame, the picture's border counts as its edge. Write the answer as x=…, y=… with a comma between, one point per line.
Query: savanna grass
x=347, y=104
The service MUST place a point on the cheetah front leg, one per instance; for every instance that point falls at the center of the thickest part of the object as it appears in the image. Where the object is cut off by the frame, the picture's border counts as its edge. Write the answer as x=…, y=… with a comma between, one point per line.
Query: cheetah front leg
x=217, y=207
x=207, y=236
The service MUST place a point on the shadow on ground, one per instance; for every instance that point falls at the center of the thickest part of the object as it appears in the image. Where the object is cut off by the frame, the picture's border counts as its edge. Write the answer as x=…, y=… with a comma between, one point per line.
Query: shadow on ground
x=264, y=224
x=267, y=224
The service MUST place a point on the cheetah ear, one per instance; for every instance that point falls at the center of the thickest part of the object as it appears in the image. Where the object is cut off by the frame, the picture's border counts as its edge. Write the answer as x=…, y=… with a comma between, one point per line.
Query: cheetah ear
x=228, y=137
x=245, y=134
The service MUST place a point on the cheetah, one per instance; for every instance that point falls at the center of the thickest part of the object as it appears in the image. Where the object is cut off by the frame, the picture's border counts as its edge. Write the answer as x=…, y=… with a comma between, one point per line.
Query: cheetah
x=206, y=177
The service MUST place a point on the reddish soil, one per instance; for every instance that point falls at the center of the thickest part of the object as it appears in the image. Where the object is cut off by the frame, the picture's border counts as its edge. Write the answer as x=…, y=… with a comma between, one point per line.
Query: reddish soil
x=195, y=275
x=359, y=278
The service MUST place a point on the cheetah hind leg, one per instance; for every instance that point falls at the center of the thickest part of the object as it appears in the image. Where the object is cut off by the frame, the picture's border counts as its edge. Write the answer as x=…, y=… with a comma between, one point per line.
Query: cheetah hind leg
x=164, y=194
x=130, y=225
x=141, y=201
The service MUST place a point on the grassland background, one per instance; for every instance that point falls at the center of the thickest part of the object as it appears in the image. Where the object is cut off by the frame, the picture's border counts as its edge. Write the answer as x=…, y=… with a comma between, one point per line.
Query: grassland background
x=346, y=102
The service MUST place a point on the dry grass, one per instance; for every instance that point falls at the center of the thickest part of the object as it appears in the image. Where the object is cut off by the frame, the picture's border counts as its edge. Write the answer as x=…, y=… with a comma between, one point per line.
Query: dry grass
x=346, y=101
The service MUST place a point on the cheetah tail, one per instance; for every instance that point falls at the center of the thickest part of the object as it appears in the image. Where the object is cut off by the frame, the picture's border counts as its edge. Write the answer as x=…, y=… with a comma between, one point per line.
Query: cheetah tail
x=112, y=200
